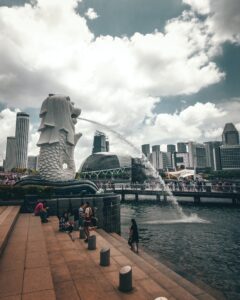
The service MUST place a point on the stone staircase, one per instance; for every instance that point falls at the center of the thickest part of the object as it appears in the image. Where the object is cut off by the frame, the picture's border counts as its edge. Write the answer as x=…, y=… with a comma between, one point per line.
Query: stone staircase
x=40, y=263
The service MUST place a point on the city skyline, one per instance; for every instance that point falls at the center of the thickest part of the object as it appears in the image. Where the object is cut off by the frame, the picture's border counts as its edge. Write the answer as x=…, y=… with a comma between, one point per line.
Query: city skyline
x=163, y=72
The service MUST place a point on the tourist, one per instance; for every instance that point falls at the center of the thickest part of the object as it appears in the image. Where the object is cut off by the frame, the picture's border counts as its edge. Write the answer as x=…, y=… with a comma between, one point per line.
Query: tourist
x=81, y=215
x=133, y=236
x=41, y=211
x=87, y=220
x=64, y=224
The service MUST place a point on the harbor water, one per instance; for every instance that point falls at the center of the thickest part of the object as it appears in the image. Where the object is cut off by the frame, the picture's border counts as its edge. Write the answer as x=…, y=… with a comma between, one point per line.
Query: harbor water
x=204, y=246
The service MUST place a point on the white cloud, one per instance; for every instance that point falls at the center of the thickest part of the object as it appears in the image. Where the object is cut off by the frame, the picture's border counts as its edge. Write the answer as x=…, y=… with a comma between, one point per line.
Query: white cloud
x=91, y=14
x=223, y=19
x=201, y=6
x=49, y=48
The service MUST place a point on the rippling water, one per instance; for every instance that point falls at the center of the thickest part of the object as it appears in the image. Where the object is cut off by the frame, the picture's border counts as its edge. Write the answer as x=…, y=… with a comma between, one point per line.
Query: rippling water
x=205, y=245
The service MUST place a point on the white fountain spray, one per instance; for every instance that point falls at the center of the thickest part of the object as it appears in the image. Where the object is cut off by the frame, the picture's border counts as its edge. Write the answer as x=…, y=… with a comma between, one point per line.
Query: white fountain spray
x=182, y=216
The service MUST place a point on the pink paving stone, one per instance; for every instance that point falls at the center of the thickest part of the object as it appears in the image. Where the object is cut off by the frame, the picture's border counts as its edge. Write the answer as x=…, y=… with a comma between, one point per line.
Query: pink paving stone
x=66, y=291
x=60, y=273
x=37, y=279
x=16, y=297
x=36, y=246
x=42, y=295
x=36, y=259
x=11, y=283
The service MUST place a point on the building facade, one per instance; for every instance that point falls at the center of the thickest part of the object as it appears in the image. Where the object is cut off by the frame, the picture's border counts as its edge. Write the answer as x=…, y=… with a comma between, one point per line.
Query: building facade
x=181, y=160
x=181, y=147
x=230, y=157
x=197, y=155
x=210, y=150
x=100, y=143
x=10, y=160
x=21, y=135
x=146, y=150
x=171, y=148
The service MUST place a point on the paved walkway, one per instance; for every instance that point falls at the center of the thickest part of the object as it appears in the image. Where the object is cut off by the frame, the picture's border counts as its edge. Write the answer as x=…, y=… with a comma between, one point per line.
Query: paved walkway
x=40, y=263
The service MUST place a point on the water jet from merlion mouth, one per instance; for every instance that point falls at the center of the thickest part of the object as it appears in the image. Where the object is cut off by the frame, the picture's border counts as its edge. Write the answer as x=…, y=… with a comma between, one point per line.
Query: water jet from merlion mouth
x=183, y=218
x=147, y=163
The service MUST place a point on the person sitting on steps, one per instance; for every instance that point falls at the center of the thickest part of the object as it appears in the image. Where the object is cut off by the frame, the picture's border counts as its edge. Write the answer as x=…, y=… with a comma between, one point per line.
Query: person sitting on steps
x=41, y=211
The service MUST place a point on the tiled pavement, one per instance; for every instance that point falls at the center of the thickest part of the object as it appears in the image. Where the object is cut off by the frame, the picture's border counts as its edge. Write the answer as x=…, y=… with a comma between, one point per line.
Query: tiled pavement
x=40, y=263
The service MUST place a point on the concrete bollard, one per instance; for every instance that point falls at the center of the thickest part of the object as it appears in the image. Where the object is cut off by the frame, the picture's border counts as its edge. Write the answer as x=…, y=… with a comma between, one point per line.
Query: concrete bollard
x=82, y=234
x=105, y=257
x=92, y=242
x=125, y=279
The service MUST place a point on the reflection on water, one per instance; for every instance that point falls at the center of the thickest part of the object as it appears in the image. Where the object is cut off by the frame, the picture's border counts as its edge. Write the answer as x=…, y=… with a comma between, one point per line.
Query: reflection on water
x=205, y=245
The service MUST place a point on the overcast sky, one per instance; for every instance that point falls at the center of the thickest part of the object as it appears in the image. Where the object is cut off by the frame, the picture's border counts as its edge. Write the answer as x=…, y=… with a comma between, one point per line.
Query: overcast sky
x=157, y=71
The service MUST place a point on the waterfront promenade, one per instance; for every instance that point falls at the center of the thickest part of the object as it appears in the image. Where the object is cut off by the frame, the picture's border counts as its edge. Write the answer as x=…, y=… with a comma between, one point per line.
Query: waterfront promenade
x=41, y=263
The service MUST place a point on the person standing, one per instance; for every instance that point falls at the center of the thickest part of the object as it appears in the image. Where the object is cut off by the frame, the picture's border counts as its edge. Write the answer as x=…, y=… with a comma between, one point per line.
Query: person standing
x=133, y=236
x=87, y=220
x=81, y=215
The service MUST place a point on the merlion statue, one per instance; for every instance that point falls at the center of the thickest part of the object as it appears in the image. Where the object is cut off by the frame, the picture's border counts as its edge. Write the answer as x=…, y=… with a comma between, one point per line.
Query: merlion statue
x=57, y=138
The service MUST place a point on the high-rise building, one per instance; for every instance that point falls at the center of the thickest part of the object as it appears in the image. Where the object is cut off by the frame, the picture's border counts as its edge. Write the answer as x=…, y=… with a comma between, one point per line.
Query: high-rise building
x=32, y=163
x=146, y=150
x=197, y=155
x=181, y=148
x=210, y=146
x=10, y=160
x=21, y=135
x=100, y=142
x=230, y=135
x=171, y=148
x=155, y=156
x=230, y=157
x=156, y=148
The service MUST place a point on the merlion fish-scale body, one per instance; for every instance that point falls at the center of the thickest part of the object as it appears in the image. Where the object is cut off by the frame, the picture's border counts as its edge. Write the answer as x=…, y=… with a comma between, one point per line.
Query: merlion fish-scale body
x=57, y=138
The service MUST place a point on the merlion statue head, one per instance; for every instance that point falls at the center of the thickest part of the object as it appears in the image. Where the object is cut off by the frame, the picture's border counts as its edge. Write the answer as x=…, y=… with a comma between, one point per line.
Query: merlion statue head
x=57, y=138
x=57, y=113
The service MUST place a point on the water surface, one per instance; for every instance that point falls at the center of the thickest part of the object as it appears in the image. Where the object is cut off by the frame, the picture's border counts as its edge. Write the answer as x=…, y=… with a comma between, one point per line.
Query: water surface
x=206, y=245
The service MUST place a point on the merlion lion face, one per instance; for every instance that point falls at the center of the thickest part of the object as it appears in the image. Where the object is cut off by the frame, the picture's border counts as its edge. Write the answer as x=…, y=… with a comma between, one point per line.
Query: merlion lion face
x=57, y=138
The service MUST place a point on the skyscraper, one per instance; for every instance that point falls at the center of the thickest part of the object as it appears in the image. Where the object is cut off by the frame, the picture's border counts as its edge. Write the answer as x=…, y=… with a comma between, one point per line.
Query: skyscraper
x=171, y=148
x=100, y=142
x=210, y=150
x=155, y=156
x=10, y=160
x=197, y=155
x=146, y=150
x=156, y=148
x=230, y=135
x=181, y=148
x=21, y=135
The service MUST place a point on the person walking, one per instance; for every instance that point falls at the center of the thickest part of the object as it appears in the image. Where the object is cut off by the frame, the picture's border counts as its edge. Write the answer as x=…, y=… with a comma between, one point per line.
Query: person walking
x=133, y=236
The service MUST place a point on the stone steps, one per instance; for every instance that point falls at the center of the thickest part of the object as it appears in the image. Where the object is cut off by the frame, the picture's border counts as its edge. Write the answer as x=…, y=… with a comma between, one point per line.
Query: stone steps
x=176, y=285
x=24, y=265
x=188, y=285
x=8, y=217
x=76, y=271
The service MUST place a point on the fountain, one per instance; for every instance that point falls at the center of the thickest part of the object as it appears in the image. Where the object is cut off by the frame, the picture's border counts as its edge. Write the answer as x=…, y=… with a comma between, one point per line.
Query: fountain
x=182, y=217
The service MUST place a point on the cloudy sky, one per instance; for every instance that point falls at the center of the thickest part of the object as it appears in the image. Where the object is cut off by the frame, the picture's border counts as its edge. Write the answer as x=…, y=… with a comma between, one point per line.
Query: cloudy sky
x=156, y=71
